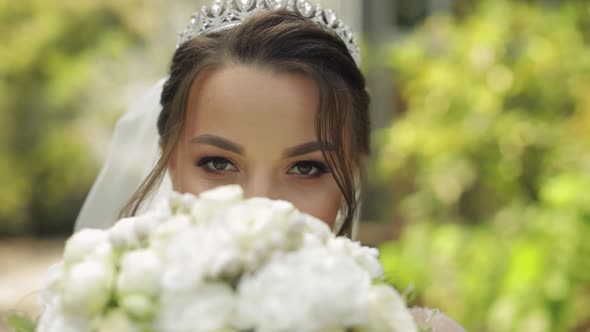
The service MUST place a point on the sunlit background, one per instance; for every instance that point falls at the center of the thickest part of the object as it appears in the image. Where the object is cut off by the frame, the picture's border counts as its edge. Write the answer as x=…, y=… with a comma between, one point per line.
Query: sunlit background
x=479, y=187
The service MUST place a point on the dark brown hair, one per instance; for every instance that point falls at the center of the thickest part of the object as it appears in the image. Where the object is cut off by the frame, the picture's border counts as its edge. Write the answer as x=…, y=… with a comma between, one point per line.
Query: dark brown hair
x=286, y=42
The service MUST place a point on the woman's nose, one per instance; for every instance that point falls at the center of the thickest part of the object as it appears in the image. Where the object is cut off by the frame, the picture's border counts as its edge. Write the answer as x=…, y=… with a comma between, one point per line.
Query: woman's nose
x=261, y=185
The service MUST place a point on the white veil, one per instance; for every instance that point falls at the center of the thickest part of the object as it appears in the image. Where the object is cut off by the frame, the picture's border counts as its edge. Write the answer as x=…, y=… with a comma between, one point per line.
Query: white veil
x=132, y=154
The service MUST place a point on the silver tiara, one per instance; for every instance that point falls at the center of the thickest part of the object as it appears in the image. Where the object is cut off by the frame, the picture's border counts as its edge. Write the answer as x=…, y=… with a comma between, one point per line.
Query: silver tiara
x=226, y=14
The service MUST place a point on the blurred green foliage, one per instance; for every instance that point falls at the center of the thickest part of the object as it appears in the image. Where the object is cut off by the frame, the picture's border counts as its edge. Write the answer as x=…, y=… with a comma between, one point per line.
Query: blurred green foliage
x=50, y=61
x=490, y=163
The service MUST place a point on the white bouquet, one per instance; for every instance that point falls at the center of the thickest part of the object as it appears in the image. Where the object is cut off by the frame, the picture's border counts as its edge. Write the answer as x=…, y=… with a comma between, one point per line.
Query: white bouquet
x=218, y=262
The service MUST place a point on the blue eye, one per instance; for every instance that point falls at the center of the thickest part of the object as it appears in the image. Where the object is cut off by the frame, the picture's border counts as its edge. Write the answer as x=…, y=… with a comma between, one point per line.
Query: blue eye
x=217, y=164
x=308, y=168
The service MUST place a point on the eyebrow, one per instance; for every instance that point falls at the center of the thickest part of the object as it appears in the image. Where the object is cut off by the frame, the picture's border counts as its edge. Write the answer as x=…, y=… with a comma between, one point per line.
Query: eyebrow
x=228, y=145
x=219, y=142
x=302, y=149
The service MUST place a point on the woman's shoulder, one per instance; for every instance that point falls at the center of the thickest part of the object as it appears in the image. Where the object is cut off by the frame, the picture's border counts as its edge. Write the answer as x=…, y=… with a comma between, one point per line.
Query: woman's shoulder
x=432, y=320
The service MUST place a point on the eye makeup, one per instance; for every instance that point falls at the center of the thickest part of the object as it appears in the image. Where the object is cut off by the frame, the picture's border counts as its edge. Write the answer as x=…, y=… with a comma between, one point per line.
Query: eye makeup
x=216, y=164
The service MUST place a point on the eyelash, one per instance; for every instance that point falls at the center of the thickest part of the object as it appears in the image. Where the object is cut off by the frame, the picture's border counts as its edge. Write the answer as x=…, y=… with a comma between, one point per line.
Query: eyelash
x=203, y=163
x=320, y=167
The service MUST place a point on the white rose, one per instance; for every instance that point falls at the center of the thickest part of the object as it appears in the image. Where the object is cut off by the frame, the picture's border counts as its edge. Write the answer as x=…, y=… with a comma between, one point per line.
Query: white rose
x=261, y=216
x=316, y=231
x=200, y=251
x=215, y=201
x=164, y=233
x=104, y=253
x=53, y=319
x=282, y=209
x=252, y=222
x=122, y=234
x=306, y=290
x=366, y=257
x=52, y=284
x=296, y=222
x=116, y=320
x=146, y=224
x=228, y=195
x=138, y=306
x=181, y=203
x=263, y=227
x=207, y=307
x=87, y=287
x=162, y=205
x=80, y=244
x=140, y=272
x=388, y=312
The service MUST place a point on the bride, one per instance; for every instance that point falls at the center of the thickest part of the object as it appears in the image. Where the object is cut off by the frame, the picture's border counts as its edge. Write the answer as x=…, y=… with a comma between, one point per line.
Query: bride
x=264, y=94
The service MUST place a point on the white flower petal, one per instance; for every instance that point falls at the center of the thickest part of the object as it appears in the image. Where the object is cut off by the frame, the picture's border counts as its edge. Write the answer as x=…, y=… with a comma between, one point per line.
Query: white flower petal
x=52, y=285
x=388, y=312
x=366, y=257
x=87, y=287
x=54, y=319
x=82, y=243
x=122, y=234
x=116, y=320
x=207, y=307
x=304, y=291
x=140, y=272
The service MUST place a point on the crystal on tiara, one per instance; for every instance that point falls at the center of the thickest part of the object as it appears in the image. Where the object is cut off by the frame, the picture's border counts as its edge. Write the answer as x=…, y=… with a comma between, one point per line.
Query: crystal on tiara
x=330, y=17
x=244, y=5
x=226, y=14
x=304, y=8
x=216, y=8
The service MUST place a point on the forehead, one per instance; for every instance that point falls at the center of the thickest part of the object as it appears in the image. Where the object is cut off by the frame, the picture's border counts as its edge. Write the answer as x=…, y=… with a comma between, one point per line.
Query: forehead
x=254, y=106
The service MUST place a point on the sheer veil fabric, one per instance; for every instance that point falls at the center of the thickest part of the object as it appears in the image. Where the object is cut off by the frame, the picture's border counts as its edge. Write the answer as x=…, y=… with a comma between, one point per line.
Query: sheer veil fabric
x=133, y=152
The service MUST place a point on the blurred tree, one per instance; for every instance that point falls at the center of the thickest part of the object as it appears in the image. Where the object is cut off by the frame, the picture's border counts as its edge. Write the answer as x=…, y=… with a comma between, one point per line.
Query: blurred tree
x=52, y=56
x=490, y=162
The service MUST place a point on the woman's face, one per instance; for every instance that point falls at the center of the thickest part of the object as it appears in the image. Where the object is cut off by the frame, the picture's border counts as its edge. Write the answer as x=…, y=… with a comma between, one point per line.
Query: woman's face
x=256, y=128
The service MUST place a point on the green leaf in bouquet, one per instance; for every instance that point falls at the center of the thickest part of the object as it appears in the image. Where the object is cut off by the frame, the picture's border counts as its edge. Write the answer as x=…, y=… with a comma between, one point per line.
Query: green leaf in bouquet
x=20, y=322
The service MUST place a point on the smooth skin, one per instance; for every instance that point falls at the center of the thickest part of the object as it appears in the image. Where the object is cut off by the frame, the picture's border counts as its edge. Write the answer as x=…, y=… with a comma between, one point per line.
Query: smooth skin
x=256, y=128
